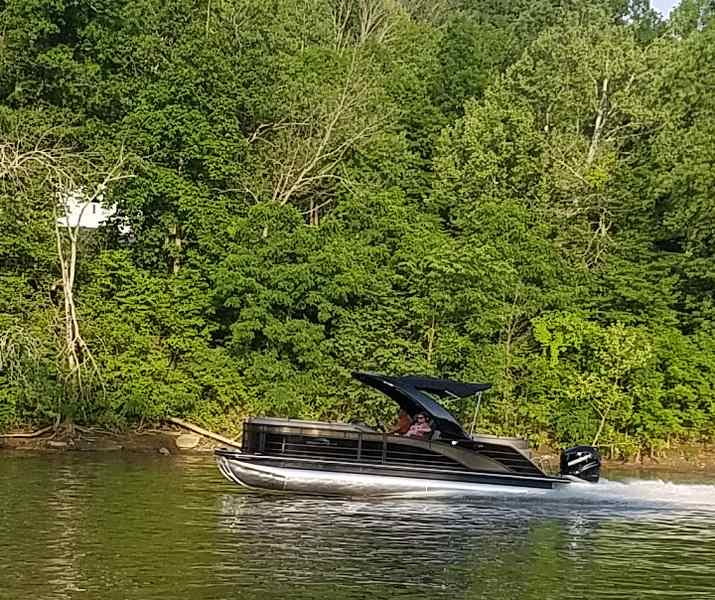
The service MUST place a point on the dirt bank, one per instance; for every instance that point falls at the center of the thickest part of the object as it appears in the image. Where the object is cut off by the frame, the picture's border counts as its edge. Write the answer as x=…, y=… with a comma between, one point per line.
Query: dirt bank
x=162, y=441
x=686, y=458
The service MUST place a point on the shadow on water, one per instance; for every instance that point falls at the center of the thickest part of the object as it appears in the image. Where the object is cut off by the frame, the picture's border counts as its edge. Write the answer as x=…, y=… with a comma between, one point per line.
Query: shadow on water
x=144, y=528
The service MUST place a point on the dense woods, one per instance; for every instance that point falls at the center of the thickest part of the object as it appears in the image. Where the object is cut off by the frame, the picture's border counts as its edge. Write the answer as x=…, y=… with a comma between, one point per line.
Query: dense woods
x=513, y=192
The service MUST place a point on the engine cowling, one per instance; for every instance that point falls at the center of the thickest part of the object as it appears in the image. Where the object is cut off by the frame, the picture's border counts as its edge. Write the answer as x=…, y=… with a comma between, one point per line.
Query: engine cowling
x=583, y=462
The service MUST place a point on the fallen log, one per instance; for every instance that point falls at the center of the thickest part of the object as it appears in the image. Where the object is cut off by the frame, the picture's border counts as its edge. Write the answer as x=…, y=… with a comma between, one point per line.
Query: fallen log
x=204, y=432
x=32, y=434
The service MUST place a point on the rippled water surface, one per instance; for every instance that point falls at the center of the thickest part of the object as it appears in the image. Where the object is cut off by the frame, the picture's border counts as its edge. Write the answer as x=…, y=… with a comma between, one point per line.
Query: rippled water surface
x=132, y=527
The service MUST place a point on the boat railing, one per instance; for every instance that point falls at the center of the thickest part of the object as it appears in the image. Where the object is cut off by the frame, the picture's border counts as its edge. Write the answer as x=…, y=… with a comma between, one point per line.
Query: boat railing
x=344, y=442
x=348, y=445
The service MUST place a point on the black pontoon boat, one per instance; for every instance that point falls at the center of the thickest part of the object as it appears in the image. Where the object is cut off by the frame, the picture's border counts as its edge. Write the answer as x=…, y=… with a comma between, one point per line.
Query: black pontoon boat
x=355, y=460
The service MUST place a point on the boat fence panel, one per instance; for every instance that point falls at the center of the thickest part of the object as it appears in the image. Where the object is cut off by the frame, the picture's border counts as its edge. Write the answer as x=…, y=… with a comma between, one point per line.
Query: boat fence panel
x=343, y=446
x=510, y=458
x=297, y=439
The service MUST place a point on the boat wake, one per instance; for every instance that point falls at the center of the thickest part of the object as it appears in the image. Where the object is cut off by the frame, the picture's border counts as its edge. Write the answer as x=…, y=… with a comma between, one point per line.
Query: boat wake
x=642, y=493
x=622, y=496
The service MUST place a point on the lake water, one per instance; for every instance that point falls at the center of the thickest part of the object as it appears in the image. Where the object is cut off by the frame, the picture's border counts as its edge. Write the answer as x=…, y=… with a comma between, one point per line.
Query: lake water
x=117, y=526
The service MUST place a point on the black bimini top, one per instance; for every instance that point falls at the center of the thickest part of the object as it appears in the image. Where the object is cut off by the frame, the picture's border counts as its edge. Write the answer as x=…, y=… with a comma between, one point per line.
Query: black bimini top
x=409, y=393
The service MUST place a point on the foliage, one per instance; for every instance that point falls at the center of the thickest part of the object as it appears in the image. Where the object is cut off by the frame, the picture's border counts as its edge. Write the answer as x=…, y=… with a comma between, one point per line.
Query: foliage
x=514, y=192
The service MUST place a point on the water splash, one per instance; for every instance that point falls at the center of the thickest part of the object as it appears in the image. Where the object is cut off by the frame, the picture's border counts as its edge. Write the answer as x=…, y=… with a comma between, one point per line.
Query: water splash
x=642, y=493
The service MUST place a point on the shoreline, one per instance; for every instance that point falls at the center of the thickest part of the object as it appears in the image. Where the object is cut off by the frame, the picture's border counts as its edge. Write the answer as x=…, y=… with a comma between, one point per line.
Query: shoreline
x=683, y=458
x=149, y=441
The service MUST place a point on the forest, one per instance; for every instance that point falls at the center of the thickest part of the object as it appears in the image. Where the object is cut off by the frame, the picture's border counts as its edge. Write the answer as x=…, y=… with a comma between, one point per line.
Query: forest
x=513, y=192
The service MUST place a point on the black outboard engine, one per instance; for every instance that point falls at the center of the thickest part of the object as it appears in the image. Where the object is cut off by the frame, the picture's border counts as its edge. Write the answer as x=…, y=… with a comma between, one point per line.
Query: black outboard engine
x=583, y=462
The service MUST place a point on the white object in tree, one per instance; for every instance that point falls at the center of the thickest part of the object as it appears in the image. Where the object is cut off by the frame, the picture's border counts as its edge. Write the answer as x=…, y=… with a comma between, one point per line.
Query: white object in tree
x=79, y=212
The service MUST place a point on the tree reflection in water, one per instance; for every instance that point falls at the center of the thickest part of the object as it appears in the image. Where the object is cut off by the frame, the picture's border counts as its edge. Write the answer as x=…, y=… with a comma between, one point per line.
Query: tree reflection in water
x=123, y=527
x=503, y=547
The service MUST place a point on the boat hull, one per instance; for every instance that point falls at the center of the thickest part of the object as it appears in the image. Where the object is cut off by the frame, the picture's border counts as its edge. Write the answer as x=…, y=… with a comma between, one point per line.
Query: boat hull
x=336, y=479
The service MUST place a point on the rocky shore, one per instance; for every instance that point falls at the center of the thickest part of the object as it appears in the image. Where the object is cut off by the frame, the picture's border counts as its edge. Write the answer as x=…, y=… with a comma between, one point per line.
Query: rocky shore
x=162, y=441
x=684, y=458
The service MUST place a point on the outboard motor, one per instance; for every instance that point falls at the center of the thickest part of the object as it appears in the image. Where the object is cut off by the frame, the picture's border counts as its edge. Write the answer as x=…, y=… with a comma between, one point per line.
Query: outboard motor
x=583, y=462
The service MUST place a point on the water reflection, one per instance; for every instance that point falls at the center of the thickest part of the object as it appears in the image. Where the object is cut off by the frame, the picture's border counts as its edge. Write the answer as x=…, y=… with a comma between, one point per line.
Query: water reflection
x=619, y=541
x=106, y=527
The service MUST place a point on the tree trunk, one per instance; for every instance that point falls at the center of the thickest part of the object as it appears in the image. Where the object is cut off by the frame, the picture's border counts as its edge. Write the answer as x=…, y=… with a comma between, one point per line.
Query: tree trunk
x=604, y=416
x=600, y=123
x=75, y=351
x=314, y=213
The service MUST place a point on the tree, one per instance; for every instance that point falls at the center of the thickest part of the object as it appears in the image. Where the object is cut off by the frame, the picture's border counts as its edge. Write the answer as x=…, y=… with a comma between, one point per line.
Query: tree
x=691, y=16
x=302, y=154
x=586, y=86
x=682, y=171
x=602, y=364
x=43, y=173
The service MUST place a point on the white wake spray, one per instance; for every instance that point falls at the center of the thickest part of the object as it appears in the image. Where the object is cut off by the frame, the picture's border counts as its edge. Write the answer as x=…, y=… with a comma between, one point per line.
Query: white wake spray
x=637, y=493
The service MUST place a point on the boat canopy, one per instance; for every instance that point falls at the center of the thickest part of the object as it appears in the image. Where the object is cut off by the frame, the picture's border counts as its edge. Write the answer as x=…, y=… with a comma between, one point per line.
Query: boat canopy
x=412, y=393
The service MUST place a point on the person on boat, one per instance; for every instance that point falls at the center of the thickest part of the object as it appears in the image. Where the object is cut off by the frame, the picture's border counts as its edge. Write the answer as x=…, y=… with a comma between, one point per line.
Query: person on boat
x=420, y=429
x=404, y=422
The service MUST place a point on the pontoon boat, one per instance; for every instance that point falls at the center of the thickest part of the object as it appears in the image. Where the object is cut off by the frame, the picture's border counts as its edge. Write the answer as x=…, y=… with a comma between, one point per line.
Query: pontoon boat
x=352, y=459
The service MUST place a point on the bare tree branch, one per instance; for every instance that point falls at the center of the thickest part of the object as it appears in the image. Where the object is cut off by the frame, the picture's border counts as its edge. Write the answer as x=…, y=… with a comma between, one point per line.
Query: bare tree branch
x=303, y=154
x=52, y=173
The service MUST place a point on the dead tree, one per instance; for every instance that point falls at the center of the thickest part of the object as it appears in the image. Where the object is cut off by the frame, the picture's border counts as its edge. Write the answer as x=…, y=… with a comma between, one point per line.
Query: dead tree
x=50, y=172
x=67, y=235
x=304, y=153
x=357, y=22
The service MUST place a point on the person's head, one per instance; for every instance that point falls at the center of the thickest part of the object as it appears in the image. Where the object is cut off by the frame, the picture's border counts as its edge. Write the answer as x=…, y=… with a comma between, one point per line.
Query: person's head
x=421, y=418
